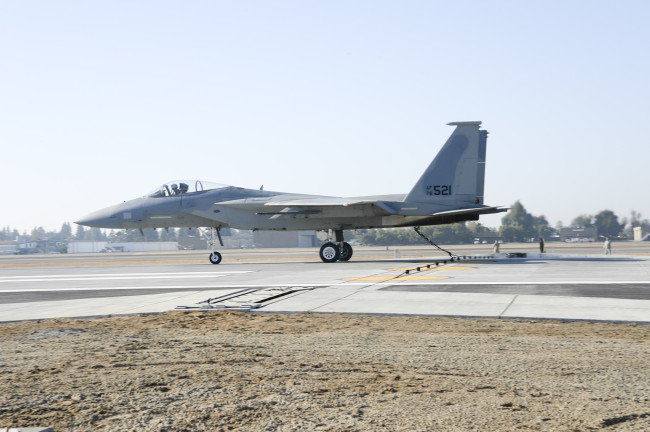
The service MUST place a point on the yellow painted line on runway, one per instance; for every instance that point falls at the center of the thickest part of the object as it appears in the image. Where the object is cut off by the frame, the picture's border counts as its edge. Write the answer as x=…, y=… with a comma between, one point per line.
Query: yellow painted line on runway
x=401, y=278
x=477, y=261
x=416, y=275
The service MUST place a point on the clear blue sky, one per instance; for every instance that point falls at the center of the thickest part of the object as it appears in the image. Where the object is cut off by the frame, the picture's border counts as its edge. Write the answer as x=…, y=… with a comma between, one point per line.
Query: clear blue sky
x=101, y=102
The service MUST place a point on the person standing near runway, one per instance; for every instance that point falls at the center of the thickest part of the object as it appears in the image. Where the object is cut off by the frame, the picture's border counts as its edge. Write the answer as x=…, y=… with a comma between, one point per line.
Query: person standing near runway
x=541, y=245
x=495, y=248
x=608, y=246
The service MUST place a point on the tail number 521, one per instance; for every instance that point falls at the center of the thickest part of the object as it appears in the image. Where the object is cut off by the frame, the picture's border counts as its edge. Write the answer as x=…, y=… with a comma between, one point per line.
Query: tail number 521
x=438, y=190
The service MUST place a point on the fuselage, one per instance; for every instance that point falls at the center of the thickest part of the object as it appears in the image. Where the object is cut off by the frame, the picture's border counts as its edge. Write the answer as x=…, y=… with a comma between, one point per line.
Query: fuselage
x=254, y=209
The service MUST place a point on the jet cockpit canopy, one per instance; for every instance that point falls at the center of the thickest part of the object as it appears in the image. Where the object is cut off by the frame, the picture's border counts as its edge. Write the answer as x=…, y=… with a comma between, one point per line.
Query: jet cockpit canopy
x=180, y=187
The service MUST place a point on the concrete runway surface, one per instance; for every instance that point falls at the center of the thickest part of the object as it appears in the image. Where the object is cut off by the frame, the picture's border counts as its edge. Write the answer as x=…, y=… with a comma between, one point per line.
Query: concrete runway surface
x=569, y=282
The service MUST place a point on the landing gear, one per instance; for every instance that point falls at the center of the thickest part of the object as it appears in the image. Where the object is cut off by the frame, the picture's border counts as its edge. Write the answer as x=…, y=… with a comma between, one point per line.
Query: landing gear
x=215, y=257
x=340, y=251
x=329, y=252
x=346, y=251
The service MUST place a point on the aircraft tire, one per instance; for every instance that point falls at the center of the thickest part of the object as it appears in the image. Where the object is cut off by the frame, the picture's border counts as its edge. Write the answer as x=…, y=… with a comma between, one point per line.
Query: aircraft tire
x=329, y=252
x=346, y=252
x=215, y=257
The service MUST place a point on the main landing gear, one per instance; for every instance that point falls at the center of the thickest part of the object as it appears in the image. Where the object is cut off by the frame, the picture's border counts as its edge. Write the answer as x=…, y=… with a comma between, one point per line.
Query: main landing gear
x=340, y=251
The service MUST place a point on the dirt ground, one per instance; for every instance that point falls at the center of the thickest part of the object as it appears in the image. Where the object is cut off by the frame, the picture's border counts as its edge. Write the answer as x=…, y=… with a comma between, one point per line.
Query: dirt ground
x=324, y=372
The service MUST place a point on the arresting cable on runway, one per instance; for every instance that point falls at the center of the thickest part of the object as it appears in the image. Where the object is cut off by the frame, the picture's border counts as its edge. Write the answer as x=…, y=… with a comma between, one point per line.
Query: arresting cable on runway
x=417, y=230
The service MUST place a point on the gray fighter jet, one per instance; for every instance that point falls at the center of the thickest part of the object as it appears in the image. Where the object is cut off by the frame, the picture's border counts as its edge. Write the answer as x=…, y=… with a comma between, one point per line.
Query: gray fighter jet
x=450, y=190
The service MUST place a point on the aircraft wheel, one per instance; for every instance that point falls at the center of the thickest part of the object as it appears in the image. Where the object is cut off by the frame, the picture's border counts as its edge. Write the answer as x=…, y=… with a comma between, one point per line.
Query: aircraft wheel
x=346, y=252
x=330, y=252
x=215, y=257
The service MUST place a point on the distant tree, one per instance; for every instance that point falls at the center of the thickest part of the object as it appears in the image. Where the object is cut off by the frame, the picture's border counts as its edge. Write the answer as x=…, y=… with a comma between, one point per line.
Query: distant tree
x=607, y=224
x=38, y=233
x=518, y=224
x=131, y=235
x=477, y=228
x=452, y=233
x=53, y=235
x=390, y=236
x=117, y=236
x=511, y=233
x=134, y=236
x=635, y=218
x=9, y=234
x=80, y=233
x=442, y=234
x=66, y=231
x=94, y=234
x=635, y=221
x=583, y=221
x=543, y=228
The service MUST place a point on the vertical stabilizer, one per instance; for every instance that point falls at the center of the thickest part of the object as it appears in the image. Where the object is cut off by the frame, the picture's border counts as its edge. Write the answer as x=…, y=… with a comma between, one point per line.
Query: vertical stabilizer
x=457, y=173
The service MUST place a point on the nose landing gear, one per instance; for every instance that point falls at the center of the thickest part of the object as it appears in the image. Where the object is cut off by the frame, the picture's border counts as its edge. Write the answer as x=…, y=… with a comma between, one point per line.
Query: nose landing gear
x=215, y=257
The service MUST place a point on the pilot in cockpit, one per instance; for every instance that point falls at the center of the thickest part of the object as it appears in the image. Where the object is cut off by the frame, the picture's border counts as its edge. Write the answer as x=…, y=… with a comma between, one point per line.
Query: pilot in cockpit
x=178, y=189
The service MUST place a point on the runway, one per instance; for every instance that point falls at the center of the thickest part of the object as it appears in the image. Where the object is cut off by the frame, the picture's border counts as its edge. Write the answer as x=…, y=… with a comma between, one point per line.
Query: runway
x=569, y=284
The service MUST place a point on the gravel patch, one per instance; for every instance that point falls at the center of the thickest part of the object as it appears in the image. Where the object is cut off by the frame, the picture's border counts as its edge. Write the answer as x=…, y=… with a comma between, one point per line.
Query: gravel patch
x=224, y=371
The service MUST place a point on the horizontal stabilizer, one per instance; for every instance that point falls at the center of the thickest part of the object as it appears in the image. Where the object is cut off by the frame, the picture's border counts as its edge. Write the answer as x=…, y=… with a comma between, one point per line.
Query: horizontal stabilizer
x=477, y=210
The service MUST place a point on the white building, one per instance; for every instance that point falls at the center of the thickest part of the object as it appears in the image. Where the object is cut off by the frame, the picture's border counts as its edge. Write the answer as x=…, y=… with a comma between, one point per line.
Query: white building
x=102, y=246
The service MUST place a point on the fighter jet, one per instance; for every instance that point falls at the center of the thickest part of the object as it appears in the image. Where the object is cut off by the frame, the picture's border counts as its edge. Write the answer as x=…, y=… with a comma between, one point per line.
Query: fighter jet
x=450, y=190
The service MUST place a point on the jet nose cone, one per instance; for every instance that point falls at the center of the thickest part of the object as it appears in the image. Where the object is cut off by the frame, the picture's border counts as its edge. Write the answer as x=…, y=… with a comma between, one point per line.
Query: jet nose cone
x=104, y=218
x=85, y=221
x=89, y=220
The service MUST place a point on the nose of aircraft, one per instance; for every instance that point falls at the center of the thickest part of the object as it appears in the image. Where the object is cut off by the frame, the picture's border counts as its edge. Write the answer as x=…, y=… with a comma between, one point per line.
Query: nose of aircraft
x=104, y=218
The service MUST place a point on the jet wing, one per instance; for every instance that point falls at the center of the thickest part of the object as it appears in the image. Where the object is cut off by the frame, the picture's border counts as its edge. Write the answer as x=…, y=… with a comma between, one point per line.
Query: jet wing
x=314, y=206
x=346, y=207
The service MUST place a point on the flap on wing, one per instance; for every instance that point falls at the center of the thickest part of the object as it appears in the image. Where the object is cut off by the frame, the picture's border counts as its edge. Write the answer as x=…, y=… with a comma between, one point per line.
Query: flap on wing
x=312, y=203
x=306, y=202
x=288, y=211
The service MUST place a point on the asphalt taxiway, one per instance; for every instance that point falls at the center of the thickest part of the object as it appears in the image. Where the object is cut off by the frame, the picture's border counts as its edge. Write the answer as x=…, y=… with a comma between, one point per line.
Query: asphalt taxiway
x=571, y=282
